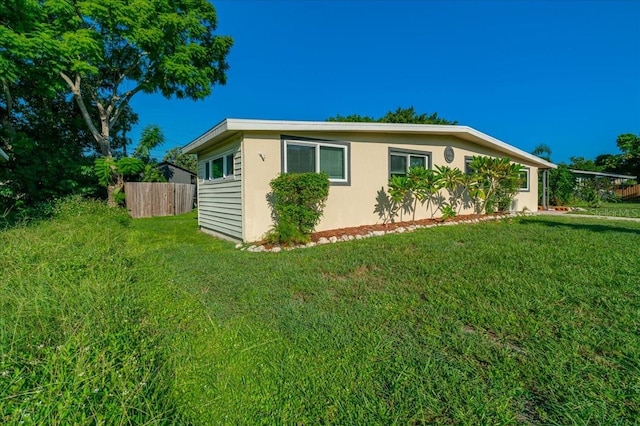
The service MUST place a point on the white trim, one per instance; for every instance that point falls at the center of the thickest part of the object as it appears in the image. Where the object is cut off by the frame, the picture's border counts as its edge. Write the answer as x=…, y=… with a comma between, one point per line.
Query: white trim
x=527, y=188
x=3, y=155
x=232, y=125
x=317, y=145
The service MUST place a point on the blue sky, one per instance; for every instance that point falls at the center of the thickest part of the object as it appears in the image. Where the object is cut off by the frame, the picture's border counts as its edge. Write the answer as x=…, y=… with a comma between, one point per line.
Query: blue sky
x=563, y=73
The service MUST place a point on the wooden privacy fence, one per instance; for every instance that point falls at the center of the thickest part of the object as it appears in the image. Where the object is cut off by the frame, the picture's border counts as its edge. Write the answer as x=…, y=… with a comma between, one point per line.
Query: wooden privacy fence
x=147, y=199
x=629, y=192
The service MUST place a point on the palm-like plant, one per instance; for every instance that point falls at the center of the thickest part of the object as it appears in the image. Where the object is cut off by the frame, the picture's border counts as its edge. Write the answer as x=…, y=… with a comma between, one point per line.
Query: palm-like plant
x=400, y=194
x=498, y=181
x=453, y=180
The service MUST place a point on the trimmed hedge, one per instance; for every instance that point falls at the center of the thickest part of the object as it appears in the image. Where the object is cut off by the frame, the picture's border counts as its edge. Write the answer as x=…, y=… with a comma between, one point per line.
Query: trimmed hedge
x=297, y=201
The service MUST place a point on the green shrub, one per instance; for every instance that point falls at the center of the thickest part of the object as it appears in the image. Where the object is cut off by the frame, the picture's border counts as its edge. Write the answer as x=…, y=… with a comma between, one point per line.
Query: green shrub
x=297, y=202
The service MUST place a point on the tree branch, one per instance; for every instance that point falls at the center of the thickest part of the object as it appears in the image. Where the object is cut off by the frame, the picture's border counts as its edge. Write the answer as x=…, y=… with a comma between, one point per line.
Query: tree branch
x=125, y=100
x=75, y=89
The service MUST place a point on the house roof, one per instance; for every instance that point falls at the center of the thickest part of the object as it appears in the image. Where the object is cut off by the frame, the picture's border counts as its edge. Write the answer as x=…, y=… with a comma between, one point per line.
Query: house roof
x=601, y=174
x=231, y=126
x=3, y=156
x=168, y=163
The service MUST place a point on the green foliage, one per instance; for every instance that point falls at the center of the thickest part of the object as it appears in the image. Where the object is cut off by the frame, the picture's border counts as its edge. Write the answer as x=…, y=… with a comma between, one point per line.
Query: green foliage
x=186, y=161
x=286, y=232
x=629, y=144
x=400, y=115
x=160, y=46
x=401, y=195
x=297, y=202
x=150, y=173
x=562, y=184
x=448, y=212
x=151, y=137
x=491, y=187
x=581, y=163
x=543, y=151
x=104, y=52
x=497, y=183
x=454, y=181
x=109, y=171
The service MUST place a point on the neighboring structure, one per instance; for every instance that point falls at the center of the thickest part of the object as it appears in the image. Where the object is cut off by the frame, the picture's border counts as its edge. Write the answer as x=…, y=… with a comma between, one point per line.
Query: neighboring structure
x=238, y=158
x=3, y=156
x=176, y=174
x=616, y=179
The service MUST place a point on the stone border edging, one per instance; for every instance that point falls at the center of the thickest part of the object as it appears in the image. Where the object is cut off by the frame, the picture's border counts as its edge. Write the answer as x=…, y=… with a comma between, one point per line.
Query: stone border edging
x=401, y=230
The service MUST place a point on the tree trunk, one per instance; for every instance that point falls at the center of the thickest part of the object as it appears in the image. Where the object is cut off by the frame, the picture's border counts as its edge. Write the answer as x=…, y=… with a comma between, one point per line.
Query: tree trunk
x=111, y=199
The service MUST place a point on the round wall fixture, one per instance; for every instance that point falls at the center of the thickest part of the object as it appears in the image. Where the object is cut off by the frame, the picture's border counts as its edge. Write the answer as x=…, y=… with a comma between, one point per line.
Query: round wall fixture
x=448, y=154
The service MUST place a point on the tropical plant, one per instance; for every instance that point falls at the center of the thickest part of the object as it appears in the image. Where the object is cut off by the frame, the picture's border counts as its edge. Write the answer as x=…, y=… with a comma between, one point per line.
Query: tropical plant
x=454, y=181
x=427, y=189
x=448, y=212
x=401, y=195
x=509, y=185
x=498, y=182
x=562, y=185
x=112, y=173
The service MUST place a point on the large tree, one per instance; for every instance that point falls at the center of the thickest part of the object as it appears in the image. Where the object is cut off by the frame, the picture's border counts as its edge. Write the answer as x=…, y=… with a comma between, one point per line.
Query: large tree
x=107, y=51
x=400, y=115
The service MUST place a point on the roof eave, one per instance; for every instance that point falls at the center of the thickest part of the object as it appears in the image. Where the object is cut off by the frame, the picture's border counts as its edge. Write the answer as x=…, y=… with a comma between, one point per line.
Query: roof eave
x=222, y=129
x=604, y=174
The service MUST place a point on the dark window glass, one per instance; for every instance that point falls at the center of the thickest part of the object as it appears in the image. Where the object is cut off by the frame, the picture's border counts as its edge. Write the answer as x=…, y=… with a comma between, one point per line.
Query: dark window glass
x=332, y=161
x=398, y=165
x=301, y=158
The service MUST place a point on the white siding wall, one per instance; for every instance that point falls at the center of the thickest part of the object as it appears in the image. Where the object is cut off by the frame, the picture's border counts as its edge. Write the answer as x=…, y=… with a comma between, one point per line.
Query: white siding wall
x=220, y=200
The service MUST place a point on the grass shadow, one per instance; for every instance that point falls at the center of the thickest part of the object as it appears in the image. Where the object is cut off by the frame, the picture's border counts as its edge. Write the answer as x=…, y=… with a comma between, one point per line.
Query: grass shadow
x=578, y=224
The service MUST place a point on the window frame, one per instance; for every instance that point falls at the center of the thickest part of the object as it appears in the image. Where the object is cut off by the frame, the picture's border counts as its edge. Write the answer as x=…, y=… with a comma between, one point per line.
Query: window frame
x=317, y=144
x=527, y=184
x=226, y=174
x=409, y=153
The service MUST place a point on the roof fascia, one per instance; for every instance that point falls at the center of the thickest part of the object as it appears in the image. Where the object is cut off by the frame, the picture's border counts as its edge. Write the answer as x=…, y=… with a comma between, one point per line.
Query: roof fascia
x=463, y=132
x=603, y=174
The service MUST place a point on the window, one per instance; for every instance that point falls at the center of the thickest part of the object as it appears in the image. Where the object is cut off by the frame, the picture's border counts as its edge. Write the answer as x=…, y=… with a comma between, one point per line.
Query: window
x=401, y=161
x=524, y=176
x=310, y=156
x=467, y=165
x=219, y=167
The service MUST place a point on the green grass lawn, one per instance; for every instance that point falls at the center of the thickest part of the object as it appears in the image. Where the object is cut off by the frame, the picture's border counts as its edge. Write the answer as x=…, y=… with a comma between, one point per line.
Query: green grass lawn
x=631, y=210
x=529, y=320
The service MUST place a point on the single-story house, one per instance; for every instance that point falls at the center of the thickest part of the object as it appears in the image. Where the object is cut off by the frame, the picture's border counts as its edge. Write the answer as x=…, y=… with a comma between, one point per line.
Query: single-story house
x=176, y=174
x=3, y=156
x=238, y=158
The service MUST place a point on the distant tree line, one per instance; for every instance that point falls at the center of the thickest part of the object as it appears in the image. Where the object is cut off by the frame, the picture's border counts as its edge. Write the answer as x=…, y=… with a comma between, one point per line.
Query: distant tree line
x=563, y=186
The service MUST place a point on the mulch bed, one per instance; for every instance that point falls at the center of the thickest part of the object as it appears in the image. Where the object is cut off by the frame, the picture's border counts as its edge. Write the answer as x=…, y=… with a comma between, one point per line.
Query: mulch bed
x=363, y=230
